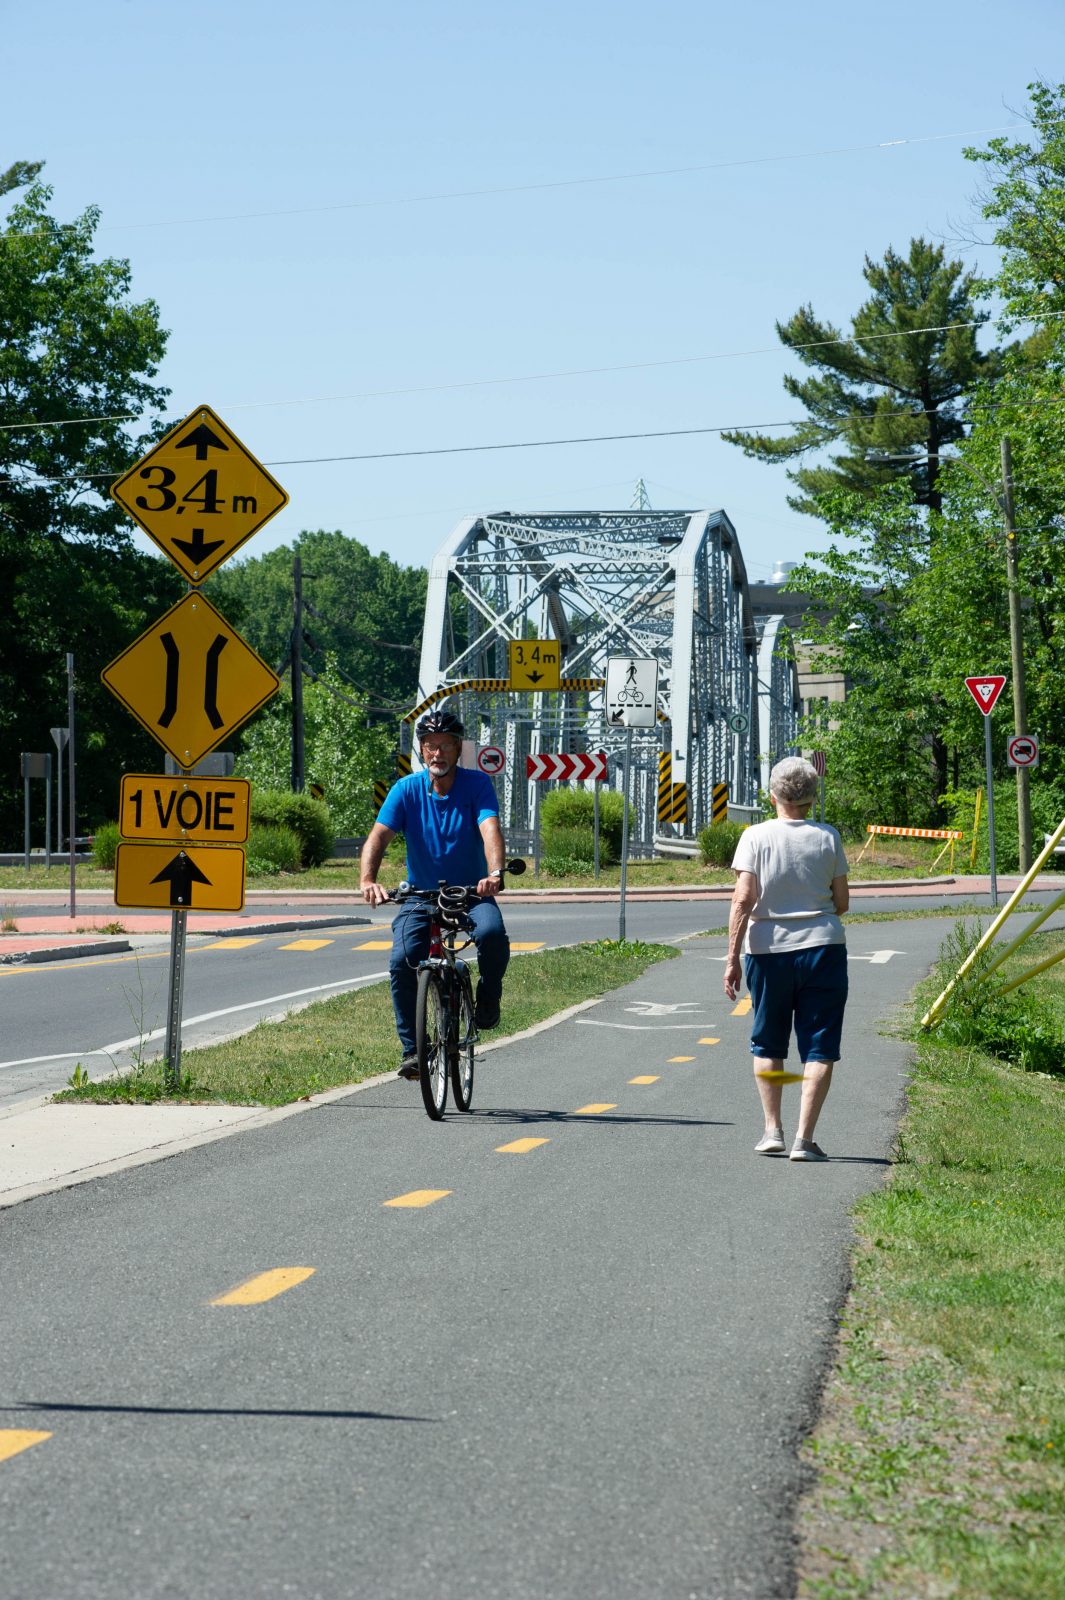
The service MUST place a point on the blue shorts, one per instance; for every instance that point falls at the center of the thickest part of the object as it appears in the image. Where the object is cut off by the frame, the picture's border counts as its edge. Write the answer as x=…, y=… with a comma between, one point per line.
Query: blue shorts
x=807, y=987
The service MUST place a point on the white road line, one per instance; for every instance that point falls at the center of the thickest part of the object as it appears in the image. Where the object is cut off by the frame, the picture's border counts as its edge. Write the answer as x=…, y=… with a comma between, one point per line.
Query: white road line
x=140, y=1039
x=647, y=1027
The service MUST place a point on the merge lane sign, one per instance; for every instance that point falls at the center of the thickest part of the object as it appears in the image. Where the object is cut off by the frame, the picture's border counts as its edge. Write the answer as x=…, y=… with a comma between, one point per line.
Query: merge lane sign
x=190, y=679
x=632, y=691
x=160, y=877
x=190, y=810
x=199, y=494
x=534, y=664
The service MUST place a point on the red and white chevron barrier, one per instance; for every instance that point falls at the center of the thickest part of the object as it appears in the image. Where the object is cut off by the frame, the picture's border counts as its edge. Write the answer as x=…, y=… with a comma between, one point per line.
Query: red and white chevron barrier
x=566, y=766
x=916, y=833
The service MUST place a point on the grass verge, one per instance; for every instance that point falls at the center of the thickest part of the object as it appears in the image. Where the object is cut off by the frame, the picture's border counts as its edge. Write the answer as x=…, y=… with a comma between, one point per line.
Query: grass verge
x=940, y=1453
x=353, y=1036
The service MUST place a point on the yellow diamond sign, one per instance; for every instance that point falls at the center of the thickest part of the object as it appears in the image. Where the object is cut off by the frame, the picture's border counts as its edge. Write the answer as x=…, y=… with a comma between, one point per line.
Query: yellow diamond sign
x=190, y=679
x=199, y=494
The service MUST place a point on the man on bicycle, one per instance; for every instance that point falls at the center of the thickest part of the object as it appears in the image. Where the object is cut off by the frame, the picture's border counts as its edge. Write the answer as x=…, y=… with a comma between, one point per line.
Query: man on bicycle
x=449, y=818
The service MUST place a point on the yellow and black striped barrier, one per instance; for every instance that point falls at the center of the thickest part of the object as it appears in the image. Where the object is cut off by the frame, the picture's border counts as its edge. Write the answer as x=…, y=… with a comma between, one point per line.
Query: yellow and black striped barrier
x=672, y=797
x=403, y=764
x=381, y=787
x=718, y=804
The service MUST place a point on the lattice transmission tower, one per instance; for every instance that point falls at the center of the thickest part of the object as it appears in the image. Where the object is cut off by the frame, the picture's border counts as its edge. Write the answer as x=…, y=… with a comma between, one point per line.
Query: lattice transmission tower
x=669, y=584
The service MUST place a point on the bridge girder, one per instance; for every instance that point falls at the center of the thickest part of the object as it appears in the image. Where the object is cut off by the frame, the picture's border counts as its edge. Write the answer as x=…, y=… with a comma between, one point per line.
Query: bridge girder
x=668, y=584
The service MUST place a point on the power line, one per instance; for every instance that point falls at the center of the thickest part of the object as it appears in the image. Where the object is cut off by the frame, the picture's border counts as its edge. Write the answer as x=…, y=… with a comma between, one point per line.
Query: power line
x=595, y=438
x=547, y=184
x=531, y=377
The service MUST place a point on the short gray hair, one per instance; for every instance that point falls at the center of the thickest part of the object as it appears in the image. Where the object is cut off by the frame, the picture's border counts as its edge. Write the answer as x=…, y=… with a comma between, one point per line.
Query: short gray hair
x=793, y=780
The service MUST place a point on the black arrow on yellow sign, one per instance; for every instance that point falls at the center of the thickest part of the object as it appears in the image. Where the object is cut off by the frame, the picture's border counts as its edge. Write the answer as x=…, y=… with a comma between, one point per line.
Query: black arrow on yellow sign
x=181, y=874
x=198, y=548
x=201, y=440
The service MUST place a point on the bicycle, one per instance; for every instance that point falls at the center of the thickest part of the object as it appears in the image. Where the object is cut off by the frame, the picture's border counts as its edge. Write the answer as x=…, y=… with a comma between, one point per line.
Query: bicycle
x=445, y=1029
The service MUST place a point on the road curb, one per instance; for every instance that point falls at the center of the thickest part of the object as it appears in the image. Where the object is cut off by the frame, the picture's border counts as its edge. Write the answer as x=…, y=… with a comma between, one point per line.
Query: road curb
x=61, y=952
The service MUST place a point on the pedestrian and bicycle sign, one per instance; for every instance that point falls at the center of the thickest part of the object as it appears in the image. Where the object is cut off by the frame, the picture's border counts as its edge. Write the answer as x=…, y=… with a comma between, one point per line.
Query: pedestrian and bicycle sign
x=158, y=876
x=986, y=690
x=190, y=679
x=190, y=810
x=535, y=664
x=545, y=768
x=199, y=494
x=1023, y=751
x=632, y=691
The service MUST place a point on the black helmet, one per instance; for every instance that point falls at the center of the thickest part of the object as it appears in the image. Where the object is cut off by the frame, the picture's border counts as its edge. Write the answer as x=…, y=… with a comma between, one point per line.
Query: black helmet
x=439, y=722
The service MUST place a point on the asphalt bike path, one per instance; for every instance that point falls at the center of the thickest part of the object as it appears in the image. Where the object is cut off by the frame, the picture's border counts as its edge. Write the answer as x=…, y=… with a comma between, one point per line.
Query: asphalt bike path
x=576, y=1368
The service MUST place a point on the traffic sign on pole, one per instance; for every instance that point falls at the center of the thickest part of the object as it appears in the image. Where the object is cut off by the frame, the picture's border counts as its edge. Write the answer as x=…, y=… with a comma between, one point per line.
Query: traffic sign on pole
x=534, y=664
x=986, y=690
x=557, y=766
x=190, y=679
x=632, y=691
x=738, y=721
x=199, y=494
x=158, y=877
x=190, y=810
x=1022, y=751
x=491, y=759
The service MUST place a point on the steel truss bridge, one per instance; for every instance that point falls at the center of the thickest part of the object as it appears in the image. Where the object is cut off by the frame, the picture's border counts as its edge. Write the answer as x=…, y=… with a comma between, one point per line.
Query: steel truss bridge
x=669, y=584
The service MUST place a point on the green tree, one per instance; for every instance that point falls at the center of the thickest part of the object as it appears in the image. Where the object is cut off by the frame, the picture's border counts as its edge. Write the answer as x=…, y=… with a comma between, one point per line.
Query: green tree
x=892, y=403
x=344, y=753
x=77, y=356
x=18, y=174
x=1025, y=198
x=364, y=612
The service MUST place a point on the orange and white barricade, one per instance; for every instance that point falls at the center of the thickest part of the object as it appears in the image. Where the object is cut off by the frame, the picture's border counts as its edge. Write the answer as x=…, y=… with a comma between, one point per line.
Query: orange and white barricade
x=876, y=829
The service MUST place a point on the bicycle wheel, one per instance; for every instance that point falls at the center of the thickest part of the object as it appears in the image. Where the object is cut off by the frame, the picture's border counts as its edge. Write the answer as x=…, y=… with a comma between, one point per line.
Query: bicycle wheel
x=430, y=1032
x=460, y=1055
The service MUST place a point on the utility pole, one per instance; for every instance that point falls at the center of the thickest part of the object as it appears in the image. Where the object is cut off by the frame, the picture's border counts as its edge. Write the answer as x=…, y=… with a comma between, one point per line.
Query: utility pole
x=1020, y=709
x=296, y=660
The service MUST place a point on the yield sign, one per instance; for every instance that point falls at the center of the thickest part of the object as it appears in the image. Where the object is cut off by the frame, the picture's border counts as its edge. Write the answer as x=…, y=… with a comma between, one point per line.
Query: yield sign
x=190, y=679
x=199, y=494
x=985, y=691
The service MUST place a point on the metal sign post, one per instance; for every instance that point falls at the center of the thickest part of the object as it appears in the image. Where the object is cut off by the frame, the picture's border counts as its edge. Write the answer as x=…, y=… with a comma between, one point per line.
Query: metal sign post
x=59, y=739
x=176, y=989
x=595, y=826
x=72, y=814
x=985, y=690
x=625, y=829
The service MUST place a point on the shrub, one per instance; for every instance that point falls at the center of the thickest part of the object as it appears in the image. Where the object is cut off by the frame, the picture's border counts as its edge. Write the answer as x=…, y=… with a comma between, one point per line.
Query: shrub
x=566, y=812
x=272, y=850
x=105, y=844
x=1048, y=808
x=565, y=867
x=308, y=819
x=718, y=844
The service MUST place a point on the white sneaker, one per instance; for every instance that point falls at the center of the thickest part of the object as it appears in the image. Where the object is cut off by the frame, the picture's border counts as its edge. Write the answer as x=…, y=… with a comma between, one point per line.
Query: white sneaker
x=806, y=1150
x=771, y=1143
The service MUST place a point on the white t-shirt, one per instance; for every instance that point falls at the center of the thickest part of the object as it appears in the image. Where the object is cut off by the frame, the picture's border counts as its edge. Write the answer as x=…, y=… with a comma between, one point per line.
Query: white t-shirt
x=794, y=863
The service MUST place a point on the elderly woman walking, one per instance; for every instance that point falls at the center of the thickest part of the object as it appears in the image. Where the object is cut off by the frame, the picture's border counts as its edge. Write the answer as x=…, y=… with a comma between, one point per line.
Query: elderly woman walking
x=791, y=888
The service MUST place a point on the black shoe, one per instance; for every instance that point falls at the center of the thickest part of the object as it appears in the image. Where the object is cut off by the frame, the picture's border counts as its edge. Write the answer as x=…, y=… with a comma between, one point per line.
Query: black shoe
x=486, y=1015
x=408, y=1068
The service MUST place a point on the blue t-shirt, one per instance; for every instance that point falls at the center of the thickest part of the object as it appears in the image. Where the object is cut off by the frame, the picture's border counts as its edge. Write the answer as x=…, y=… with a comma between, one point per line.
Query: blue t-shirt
x=441, y=831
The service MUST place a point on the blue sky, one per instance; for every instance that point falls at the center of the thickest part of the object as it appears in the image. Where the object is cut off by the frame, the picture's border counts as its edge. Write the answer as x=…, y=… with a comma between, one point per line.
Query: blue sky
x=329, y=123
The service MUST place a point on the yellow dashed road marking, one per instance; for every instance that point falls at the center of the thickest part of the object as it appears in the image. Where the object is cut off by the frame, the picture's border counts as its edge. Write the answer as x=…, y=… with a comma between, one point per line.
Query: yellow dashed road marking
x=374, y=944
x=519, y=1147
x=418, y=1197
x=744, y=1006
x=709, y=1041
x=526, y=944
x=646, y=1079
x=307, y=944
x=680, y=1058
x=14, y=1440
x=593, y=1110
x=231, y=944
x=264, y=1286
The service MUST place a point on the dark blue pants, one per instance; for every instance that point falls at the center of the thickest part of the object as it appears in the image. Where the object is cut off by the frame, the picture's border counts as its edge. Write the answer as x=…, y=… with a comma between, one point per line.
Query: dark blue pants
x=410, y=944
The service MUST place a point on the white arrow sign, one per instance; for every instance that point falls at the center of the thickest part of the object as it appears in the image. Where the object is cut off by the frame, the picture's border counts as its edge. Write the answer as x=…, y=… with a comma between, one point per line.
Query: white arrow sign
x=878, y=958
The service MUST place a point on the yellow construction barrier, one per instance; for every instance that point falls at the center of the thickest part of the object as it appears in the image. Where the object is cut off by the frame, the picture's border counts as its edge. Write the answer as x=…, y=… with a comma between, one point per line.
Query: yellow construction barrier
x=935, y=1010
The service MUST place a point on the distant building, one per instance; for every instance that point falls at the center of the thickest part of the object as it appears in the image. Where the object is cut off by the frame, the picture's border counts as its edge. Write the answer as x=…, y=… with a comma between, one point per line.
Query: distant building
x=816, y=689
